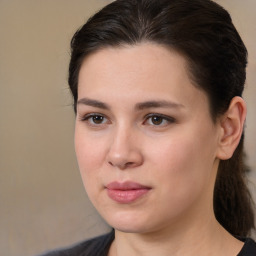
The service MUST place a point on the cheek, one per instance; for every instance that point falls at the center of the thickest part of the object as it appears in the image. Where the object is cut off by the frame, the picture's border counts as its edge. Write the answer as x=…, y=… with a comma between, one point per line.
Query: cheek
x=90, y=153
x=184, y=163
x=186, y=178
x=178, y=162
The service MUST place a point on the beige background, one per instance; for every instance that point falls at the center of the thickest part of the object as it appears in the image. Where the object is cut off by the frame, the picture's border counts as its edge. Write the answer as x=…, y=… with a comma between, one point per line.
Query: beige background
x=42, y=201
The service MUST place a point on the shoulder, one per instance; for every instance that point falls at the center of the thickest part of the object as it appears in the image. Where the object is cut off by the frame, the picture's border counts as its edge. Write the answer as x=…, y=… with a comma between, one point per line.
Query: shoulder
x=249, y=248
x=98, y=246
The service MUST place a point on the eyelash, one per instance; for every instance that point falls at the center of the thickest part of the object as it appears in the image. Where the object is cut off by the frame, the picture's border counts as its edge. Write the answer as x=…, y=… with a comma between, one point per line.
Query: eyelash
x=89, y=118
x=163, y=118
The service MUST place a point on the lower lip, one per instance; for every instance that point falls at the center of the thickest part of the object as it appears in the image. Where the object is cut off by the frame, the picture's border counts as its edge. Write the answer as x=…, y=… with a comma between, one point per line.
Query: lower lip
x=126, y=196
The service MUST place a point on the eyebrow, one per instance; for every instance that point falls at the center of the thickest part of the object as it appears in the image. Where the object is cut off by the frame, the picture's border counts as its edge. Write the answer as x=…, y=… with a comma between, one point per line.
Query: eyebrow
x=138, y=106
x=93, y=103
x=157, y=104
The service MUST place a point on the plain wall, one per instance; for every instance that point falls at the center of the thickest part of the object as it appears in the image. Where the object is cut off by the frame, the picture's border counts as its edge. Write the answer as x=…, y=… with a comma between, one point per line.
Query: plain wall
x=42, y=200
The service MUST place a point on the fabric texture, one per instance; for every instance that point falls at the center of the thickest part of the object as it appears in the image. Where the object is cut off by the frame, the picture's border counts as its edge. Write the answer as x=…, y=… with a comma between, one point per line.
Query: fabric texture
x=249, y=248
x=99, y=246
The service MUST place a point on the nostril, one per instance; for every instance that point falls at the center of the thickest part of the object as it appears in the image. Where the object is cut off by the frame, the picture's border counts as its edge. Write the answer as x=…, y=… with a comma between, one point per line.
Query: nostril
x=129, y=164
x=124, y=159
x=110, y=163
x=122, y=165
x=119, y=165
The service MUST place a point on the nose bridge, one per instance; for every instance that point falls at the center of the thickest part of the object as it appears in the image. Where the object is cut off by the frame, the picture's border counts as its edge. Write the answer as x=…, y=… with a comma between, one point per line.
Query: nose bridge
x=120, y=138
x=124, y=149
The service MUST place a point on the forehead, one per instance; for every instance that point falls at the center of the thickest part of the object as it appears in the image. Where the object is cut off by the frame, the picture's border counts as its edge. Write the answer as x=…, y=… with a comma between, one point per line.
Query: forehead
x=145, y=70
x=142, y=61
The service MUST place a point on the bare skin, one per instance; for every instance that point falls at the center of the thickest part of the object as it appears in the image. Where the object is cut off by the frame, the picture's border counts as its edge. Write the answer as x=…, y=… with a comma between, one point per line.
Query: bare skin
x=218, y=242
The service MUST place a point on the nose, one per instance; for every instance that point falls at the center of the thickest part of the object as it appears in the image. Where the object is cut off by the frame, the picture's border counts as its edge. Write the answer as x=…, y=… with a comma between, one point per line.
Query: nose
x=124, y=151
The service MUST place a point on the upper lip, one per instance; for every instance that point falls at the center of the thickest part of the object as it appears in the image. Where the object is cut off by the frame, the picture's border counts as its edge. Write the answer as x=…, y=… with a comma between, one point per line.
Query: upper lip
x=128, y=185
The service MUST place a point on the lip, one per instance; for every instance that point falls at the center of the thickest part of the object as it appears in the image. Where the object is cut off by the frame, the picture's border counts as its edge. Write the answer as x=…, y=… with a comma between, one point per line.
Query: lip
x=126, y=192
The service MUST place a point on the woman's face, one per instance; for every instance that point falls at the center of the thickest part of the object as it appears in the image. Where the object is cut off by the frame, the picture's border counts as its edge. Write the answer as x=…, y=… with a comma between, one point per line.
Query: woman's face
x=145, y=142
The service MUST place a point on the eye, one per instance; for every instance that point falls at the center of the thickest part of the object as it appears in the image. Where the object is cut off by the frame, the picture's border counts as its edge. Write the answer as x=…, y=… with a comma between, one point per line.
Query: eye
x=95, y=119
x=158, y=120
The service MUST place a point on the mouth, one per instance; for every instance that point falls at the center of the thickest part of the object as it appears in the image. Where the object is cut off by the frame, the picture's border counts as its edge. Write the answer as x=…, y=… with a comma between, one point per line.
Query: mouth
x=126, y=192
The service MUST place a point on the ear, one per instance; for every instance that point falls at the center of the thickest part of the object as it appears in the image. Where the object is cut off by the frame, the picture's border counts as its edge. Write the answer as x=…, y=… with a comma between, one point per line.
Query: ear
x=231, y=128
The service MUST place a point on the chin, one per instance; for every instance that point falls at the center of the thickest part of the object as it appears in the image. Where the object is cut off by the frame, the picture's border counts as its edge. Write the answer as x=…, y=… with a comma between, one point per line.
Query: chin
x=131, y=228
x=129, y=222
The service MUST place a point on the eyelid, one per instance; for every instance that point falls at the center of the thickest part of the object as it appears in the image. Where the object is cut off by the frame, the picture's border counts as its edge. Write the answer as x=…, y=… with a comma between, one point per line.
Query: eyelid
x=86, y=117
x=169, y=119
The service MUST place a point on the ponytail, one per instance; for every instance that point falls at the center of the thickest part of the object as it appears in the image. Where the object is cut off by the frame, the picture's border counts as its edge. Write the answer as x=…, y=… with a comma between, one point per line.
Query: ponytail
x=232, y=199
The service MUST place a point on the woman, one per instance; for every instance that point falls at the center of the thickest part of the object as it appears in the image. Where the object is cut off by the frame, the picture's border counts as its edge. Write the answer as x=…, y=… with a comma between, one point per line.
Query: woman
x=157, y=88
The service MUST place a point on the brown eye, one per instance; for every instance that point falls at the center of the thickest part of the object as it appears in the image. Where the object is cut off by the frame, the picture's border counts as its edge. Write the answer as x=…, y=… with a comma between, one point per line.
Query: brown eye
x=156, y=120
x=97, y=119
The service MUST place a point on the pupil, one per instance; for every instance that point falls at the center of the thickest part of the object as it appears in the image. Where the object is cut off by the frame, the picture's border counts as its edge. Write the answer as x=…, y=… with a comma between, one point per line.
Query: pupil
x=157, y=120
x=97, y=119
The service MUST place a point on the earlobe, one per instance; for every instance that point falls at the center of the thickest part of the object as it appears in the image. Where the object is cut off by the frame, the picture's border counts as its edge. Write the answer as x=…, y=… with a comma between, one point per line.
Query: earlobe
x=231, y=124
